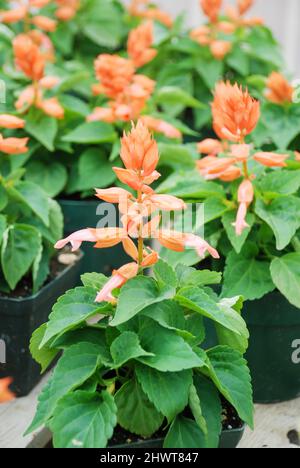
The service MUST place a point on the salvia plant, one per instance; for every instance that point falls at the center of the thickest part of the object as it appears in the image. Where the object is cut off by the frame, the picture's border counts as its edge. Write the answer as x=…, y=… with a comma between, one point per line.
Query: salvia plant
x=5, y=393
x=253, y=210
x=132, y=345
x=30, y=221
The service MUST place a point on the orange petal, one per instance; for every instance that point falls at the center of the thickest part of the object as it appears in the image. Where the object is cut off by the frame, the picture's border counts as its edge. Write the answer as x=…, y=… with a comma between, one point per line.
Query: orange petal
x=246, y=192
x=5, y=394
x=10, y=121
x=14, y=145
x=113, y=195
x=44, y=23
x=52, y=107
x=210, y=146
x=130, y=248
x=271, y=159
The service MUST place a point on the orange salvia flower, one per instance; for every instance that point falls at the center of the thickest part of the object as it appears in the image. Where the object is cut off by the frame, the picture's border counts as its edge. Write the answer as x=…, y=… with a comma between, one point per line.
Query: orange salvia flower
x=28, y=57
x=220, y=49
x=114, y=73
x=235, y=112
x=160, y=126
x=279, y=89
x=5, y=393
x=67, y=9
x=210, y=146
x=211, y=9
x=13, y=145
x=139, y=44
x=10, y=121
x=44, y=23
x=271, y=159
x=244, y=6
x=245, y=198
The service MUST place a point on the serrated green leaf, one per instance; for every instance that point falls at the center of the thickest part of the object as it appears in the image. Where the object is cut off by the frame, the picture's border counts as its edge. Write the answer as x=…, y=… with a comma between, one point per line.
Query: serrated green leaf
x=84, y=420
x=93, y=280
x=168, y=391
x=43, y=356
x=126, y=347
x=135, y=412
x=195, y=407
x=279, y=182
x=232, y=309
x=165, y=274
x=236, y=241
x=184, y=433
x=189, y=276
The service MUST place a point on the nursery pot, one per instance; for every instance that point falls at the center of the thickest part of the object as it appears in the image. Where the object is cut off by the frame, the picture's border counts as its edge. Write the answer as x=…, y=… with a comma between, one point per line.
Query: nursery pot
x=19, y=318
x=228, y=439
x=274, y=348
x=81, y=214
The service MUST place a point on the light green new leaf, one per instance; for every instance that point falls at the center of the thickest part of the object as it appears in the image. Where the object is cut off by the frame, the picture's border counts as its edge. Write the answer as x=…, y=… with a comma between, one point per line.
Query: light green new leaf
x=169, y=95
x=189, y=276
x=285, y=273
x=283, y=217
x=84, y=420
x=165, y=274
x=190, y=185
x=232, y=308
x=230, y=373
x=136, y=295
x=136, y=413
x=94, y=280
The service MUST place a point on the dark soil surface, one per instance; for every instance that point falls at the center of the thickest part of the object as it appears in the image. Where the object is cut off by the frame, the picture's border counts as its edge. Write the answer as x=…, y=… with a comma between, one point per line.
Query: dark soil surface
x=25, y=287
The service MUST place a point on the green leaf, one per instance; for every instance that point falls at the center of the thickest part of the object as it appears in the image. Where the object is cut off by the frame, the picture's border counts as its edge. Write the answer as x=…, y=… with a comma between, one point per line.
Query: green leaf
x=285, y=273
x=280, y=182
x=126, y=347
x=56, y=221
x=41, y=268
x=283, y=123
x=236, y=241
x=42, y=128
x=135, y=412
x=167, y=313
x=211, y=409
x=94, y=280
x=3, y=197
x=168, y=391
x=170, y=95
x=175, y=156
x=43, y=356
x=184, y=433
x=214, y=208
x=3, y=225
x=230, y=373
x=190, y=185
x=84, y=420
x=232, y=308
x=189, y=276
x=210, y=70
x=51, y=177
x=195, y=407
x=196, y=299
x=78, y=364
x=239, y=61
x=94, y=170
x=72, y=309
x=91, y=133
x=171, y=352
x=165, y=275
x=20, y=247
x=244, y=274
x=35, y=198
x=283, y=217
x=136, y=295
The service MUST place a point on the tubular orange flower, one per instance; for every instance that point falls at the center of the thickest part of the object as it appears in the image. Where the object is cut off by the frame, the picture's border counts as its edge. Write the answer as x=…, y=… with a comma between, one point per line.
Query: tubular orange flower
x=28, y=57
x=67, y=9
x=244, y=6
x=140, y=156
x=160, y=126
x=141, y=9
x=220, y=49
x=235, y=112
x=44, y=23
x=5, y=394
x=10, y=121
x=13, y=145
x=139, y=44
x=279, y=89
x=211, y=8
x=210, y=146
x=52, y=107
x=271, y=159
x=245, y=198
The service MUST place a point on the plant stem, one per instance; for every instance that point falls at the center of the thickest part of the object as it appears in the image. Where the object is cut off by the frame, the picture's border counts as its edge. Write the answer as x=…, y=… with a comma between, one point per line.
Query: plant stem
x=140, y=238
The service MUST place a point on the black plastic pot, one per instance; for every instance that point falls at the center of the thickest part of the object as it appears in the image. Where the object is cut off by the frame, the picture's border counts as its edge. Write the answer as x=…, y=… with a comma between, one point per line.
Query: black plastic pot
x=228, y=439
x=274, y=326
x=18, y=320
x=81, y=214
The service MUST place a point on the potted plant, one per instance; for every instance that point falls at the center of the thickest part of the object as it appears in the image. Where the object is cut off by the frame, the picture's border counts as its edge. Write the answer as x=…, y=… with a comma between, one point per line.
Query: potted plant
x=32, y=275
x=252, y=214
x=132, y=357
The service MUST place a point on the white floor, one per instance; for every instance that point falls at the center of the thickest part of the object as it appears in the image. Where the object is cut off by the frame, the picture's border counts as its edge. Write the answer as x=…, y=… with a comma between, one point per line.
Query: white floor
x=272, y=424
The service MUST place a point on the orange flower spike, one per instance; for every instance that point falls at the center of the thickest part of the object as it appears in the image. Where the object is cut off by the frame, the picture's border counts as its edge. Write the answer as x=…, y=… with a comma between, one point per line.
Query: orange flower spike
x=13, y=16
x=113, y=195
x=211, y=8
x=102, y=114
x=28, y=57
x=114, y=73
x=235, y=112
x=271, y=159
x=10, y=121
x=5, y=394
x=139, y=44
x=279, y=89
